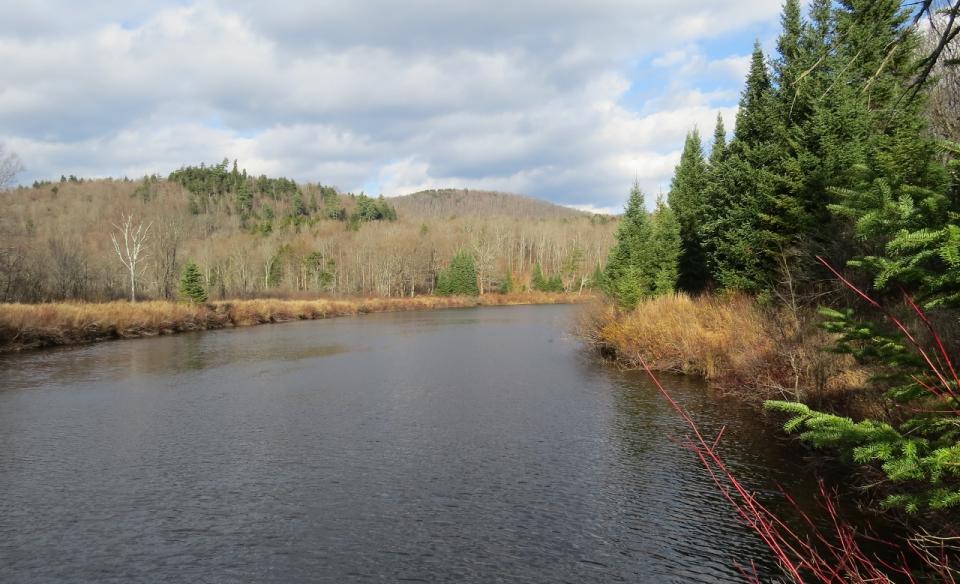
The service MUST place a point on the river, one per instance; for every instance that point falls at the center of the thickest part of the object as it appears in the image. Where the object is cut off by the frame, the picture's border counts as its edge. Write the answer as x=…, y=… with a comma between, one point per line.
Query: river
x=475, y=445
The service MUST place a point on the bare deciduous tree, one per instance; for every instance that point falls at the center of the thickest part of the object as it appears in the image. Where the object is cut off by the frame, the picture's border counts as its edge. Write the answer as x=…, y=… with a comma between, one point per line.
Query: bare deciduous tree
x=944, y=102
x=131, y=253
x=68, y=269
x=10, y=166
x=166, y=246
x=485, y=257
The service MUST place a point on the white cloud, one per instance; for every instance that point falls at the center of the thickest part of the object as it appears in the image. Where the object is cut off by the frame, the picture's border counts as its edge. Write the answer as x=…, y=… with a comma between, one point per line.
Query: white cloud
x=521, y=96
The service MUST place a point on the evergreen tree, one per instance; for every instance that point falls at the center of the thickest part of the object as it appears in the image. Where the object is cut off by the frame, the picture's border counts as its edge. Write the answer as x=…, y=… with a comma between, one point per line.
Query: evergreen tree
x=506, y=286
x=244, y=199
x=719, y=147
x=460, y=278
x=537, y=281
x=666, y=246
x=896, y=183
x=298, y=207
x=191, y=284
x=687, y=200
x=628, y=271
x=644, y=261
x=544, y=284
x=787, y=66
x=738, y=239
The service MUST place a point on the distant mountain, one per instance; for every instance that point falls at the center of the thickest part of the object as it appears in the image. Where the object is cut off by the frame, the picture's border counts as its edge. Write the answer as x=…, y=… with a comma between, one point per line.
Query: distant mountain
x=447, y=203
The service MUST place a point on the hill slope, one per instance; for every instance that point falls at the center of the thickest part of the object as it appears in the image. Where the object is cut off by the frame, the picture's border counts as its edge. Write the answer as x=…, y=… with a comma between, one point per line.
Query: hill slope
x=444, y=203
x=261, y=236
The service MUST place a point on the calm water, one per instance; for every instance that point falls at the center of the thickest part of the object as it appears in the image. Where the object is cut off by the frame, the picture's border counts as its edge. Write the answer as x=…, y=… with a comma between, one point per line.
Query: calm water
x=476, y=445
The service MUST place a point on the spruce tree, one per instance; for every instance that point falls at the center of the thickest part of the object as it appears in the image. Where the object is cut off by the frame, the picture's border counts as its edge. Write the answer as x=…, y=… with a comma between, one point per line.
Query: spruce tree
x=628, y=271
x=244, y=199
x=298, y=207
x=719, y=147
x=460, y=279
x=687, y=200
x=191, y=284
x=737, y=238
x=506, y=286
x=666, y=246
x=644, y=261
x=537, y=281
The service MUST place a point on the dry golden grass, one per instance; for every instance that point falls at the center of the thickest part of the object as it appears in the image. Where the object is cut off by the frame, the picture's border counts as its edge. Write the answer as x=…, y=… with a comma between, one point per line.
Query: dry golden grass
x=24, y=326
x=732, y=342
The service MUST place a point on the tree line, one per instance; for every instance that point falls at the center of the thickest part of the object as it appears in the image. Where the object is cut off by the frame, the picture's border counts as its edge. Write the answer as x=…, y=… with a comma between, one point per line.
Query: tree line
x=260, y=236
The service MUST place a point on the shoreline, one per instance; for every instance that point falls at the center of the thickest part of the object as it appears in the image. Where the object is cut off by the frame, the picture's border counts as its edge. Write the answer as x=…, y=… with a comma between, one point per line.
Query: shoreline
x=28, y=327
x=737, y=346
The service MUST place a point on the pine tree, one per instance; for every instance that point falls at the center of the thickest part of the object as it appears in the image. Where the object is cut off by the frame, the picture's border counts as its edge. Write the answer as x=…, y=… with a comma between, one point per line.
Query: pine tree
x=719, y=147
x=687, y=200
x=737, y=239
x=628, y=273
x=244, y=199
x=860, y=150
x=460, y=279
x=506, y=286
x=537, y=281
x=644, y=261
x=666, y=246
x=896, y=184
x=298, y=207
x=191, y=284
x=787, y=67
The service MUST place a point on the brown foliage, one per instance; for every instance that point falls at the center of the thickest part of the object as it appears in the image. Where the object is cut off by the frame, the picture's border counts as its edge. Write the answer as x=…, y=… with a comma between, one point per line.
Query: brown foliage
x=25, y=326
x=733, y=342
x=252, y=256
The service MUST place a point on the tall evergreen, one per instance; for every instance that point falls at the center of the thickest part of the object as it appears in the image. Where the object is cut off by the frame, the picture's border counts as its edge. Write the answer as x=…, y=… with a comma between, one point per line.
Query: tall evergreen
x=719, y=147
x=666, y=248
x=687, y=200
x=787, y=67
x=644, y=261
x=628, y=270
x=191, y=284
x=738, y=240
x=897, y=181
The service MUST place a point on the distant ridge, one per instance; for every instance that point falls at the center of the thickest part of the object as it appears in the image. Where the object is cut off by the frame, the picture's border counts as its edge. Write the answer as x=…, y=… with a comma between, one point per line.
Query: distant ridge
x=445, y=203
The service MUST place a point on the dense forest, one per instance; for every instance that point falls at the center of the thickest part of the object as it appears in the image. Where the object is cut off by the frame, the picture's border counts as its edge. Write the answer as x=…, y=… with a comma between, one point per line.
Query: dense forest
x=257, y=236
x=826, y=232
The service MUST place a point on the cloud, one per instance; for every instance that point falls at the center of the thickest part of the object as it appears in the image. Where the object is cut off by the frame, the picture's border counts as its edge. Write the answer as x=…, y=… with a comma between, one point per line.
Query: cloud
x=530, y=96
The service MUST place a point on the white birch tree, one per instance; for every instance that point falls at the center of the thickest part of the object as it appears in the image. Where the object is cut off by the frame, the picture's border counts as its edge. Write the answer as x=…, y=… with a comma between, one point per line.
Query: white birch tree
x=132, y=249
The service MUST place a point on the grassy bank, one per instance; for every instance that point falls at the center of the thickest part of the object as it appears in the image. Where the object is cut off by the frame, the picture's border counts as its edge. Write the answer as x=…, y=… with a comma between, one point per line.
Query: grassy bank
x=29, y=326
x=733, y=342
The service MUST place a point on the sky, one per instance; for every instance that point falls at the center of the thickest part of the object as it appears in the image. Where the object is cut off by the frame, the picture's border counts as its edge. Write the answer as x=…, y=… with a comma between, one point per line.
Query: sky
x=565, y=100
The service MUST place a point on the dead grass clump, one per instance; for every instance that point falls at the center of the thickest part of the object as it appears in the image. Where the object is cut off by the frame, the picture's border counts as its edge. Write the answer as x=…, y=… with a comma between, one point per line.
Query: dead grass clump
x=733, y=342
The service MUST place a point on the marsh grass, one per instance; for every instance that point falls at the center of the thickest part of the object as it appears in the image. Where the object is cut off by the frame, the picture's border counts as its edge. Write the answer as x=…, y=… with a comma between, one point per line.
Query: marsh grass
x=734, y=342
x=27, y=326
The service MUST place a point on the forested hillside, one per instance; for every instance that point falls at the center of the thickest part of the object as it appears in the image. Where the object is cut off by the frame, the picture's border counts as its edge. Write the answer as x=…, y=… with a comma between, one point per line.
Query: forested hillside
x=262, y=236
x=448, y=203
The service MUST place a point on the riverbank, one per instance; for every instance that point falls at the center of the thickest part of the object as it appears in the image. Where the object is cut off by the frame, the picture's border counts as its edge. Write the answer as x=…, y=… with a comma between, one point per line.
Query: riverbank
x=33, y=326
x=737, y=345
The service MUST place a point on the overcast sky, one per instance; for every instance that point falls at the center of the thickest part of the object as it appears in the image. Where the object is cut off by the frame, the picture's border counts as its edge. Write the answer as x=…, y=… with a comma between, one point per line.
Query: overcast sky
x=567, y=100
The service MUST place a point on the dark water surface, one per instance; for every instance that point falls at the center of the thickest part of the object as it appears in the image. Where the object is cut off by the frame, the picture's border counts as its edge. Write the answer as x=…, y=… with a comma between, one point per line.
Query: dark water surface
x=478, y=445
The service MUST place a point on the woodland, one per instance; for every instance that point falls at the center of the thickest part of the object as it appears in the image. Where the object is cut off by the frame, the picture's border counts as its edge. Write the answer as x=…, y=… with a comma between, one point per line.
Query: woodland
x=247, y=237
